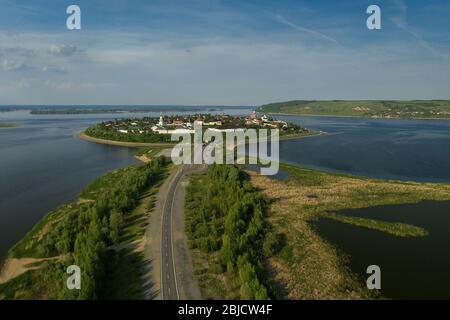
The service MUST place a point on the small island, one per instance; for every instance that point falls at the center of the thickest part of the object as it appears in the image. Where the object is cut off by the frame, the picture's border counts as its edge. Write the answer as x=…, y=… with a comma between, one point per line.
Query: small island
x=8, y=125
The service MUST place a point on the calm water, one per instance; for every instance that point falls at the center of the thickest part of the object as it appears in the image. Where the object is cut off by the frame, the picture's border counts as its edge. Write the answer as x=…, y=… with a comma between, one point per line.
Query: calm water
x=394, y=149
x=411, y=268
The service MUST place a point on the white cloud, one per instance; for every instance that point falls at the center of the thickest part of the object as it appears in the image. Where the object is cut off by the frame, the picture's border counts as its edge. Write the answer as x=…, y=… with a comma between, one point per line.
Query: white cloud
x=123, y=70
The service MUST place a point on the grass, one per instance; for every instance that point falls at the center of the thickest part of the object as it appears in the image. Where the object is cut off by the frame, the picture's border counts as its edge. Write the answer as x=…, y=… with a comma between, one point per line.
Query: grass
x=308, y=267
x=436, y=109
x=343, y=191
x=394, y=228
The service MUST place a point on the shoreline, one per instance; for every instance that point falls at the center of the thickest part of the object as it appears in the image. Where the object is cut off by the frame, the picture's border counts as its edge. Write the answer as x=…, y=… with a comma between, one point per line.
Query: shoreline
x=295, y=209
x=81, y=135
x=340, y=116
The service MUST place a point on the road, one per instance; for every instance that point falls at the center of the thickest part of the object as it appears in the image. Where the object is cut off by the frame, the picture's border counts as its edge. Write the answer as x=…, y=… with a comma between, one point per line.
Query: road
x=169, y=285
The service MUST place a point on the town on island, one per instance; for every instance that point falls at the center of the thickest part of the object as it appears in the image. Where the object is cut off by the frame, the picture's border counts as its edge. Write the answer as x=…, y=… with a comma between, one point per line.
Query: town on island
x=159, y=130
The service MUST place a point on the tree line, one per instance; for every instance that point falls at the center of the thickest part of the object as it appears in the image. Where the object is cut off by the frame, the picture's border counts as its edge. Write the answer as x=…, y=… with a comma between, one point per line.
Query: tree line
x=226, y=214
x=101, y=132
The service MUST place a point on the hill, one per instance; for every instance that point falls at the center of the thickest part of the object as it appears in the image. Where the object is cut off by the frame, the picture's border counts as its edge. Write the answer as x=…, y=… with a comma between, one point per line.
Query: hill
x=414, y=109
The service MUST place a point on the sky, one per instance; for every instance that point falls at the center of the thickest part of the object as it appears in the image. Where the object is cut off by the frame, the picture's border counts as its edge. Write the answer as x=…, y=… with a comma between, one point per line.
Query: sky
x=222, y=52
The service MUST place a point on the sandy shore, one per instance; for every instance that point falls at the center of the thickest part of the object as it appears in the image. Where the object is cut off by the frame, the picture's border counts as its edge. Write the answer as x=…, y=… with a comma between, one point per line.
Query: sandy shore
x=83, y=136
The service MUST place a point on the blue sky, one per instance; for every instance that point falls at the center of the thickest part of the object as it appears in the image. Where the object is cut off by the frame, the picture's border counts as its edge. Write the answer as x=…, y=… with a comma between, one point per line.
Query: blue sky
x=222, y=52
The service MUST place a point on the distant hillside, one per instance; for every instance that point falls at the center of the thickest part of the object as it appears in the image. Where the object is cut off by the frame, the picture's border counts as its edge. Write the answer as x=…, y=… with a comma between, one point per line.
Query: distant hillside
x=429, y=109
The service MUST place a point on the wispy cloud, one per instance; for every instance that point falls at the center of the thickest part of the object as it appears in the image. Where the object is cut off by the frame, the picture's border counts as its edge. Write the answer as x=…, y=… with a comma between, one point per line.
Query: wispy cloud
x=401, y=21
x=297, y=27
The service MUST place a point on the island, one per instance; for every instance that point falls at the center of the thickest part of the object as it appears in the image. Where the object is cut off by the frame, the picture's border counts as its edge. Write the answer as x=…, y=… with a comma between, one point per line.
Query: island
x=151, y=130
x=376, y=109
x=8, y=125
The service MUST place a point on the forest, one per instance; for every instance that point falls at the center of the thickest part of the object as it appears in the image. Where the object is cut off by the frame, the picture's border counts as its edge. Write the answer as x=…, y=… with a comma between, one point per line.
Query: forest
x=83, y=233
x=226, y=221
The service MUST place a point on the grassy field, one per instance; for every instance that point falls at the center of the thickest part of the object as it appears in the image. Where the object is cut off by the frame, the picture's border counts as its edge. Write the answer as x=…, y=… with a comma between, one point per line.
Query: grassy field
x=308, y=267
x=429, y=109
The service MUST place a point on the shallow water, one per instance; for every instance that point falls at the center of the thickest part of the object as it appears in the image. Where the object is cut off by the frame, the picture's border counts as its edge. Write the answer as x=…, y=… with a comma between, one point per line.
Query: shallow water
x=411, y=268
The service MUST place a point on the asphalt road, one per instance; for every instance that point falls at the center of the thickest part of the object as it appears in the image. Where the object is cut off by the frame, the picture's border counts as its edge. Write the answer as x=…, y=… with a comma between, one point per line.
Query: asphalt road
x=169, y=285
